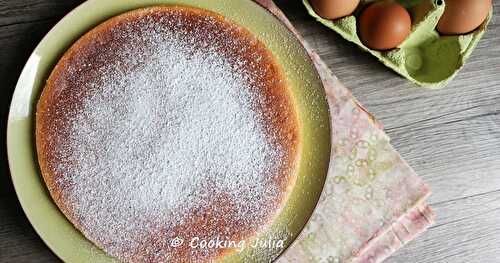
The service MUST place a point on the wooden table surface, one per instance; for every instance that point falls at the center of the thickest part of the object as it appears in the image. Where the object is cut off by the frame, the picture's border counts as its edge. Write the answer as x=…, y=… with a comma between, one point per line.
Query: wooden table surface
x=451, y=137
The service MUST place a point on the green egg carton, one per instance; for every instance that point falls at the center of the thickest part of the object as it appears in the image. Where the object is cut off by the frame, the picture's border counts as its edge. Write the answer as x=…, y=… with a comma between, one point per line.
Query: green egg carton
x=426, y=58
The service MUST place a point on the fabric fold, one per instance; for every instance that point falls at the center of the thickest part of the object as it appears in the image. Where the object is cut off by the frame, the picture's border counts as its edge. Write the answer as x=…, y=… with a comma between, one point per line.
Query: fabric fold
x=373, y=202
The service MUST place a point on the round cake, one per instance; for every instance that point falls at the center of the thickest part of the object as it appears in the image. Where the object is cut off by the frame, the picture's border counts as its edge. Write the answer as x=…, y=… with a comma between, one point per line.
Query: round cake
x=166, y=126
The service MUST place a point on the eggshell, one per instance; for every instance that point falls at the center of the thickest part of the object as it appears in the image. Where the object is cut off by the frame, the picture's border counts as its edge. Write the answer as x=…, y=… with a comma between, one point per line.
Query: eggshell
x=333, y=9
x=425, y=57
x=384, y=25
x=463, y=16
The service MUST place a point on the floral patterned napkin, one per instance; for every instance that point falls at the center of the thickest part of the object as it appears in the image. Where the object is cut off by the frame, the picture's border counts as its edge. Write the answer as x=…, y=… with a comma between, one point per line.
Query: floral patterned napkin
x=373, y=202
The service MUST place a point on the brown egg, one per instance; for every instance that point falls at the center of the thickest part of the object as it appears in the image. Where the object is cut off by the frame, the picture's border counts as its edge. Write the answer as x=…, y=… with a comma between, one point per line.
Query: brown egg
x=421, y=10
x=463, y=16
x=333, y=9
x=384, y=25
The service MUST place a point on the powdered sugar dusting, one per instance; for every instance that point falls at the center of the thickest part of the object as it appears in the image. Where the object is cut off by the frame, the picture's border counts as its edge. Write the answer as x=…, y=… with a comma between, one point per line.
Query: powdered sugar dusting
x=164, y=130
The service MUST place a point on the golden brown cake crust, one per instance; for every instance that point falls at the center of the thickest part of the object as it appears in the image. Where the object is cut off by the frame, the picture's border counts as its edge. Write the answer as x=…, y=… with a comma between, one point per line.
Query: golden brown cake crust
x=64, y=93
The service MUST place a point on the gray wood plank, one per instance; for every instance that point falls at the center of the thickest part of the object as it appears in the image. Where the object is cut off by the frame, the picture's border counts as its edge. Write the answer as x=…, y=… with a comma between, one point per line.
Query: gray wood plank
x=450, y=137
x=468, y=231
x=18, y=240
x=22, y=25
x=457, y=159
x=26, y=11
x=17, y=42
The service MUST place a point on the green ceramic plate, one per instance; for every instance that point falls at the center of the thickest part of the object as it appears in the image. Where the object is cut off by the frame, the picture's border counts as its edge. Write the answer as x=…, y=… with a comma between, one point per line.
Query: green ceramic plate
x=53, y=227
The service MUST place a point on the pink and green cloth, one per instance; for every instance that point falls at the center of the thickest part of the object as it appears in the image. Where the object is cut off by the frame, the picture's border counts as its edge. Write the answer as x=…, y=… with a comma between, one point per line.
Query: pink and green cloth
x=373, y=202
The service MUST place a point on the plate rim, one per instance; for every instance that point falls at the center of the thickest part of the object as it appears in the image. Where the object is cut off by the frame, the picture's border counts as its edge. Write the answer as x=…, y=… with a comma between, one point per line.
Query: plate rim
x=9, y=135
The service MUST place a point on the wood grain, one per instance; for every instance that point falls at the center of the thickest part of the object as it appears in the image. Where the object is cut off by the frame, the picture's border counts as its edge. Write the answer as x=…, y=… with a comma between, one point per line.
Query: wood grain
x=22, y=25
x=450, y=137
x=468, y=230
